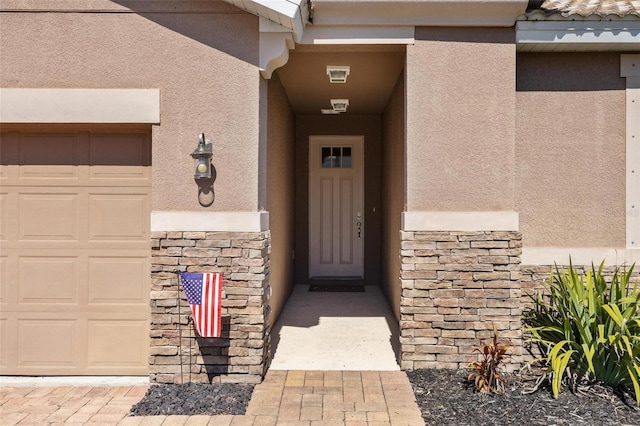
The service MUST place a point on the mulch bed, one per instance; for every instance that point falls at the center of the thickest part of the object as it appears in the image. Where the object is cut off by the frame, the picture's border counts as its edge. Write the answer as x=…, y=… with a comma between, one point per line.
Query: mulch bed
x=194, y=398
x=445, y=397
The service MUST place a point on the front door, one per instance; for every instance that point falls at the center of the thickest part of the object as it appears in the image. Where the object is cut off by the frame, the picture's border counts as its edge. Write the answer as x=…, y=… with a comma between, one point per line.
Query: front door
x=336, y=200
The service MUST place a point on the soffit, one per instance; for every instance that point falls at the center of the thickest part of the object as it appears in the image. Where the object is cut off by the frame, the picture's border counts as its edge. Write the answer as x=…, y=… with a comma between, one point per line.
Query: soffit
x=418, y=12
x=294, y=14
x=374, y=73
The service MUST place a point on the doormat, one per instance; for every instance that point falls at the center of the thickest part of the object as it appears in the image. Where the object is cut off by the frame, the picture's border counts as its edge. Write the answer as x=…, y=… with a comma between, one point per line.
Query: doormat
x=340, y=288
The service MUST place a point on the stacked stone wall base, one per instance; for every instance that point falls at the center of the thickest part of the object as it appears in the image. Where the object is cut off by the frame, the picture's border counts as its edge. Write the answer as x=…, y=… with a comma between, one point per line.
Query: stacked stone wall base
x=536, y=278
x=178, y=354
x=456, y=286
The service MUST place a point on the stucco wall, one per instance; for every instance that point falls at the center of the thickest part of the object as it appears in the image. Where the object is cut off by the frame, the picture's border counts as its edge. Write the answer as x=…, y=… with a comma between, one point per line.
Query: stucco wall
x=461, y=119
x=369, y=126
x=570, y=149
x=280, y=194
x=203, y=61
x=393, y=194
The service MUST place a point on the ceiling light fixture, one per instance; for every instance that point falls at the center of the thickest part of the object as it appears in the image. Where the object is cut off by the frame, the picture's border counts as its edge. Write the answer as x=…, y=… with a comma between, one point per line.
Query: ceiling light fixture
x=338, y=73
x=329, y=111
x=340, y=105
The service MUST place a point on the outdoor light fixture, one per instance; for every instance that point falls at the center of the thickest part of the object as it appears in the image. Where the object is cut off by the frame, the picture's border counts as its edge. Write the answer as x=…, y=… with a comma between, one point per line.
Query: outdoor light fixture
x=202, y=155
x=329, y=111
x=338, y=73
x=340, y=105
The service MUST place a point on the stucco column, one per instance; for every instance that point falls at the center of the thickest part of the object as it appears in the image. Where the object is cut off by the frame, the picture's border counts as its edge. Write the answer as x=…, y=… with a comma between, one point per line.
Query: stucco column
x=460, y=239
x=460, y=142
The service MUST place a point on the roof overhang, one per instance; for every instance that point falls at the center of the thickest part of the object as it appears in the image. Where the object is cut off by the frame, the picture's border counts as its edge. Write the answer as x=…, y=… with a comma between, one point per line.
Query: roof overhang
x=578, y=36
x=476, y=13
x=290, y=14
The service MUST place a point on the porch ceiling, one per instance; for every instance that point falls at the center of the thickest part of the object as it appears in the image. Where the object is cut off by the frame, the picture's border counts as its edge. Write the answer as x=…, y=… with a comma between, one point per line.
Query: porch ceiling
x=374, y=73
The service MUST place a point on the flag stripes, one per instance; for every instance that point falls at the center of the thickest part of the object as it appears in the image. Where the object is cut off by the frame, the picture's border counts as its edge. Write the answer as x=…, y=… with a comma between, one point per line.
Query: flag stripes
x=204, y=293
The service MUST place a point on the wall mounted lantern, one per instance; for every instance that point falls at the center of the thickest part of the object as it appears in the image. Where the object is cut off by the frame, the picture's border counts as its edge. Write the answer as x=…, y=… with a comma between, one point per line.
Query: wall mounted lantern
x=202, y=156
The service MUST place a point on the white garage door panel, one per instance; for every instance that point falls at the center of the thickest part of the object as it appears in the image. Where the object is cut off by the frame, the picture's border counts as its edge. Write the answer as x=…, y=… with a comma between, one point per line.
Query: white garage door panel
x=119, y=216
x=83, y=217
x=48, y=280
x=74, y=237
x=4, y=346
x=37, y=152
x=128, y=336
x=114, y=150
x=48, y=217
x=3, y=215
x=4, y=279
x=118, y=280
x=118, y=175
x=48, y=342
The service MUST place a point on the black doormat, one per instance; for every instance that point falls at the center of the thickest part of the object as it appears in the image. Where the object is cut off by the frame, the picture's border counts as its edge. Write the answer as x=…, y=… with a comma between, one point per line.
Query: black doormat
x=341, y=288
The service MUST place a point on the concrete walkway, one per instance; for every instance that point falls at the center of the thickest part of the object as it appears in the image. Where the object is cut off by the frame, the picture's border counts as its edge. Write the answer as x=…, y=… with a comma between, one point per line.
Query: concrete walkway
x=335, y=331
x=304, y=398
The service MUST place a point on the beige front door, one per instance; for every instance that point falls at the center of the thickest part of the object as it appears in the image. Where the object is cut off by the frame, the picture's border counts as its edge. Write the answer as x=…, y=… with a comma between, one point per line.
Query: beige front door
x=74, y=252
x=336, y=201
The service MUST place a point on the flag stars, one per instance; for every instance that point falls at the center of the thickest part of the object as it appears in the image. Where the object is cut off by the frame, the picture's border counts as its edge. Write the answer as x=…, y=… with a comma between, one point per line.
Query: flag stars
x=204, y=293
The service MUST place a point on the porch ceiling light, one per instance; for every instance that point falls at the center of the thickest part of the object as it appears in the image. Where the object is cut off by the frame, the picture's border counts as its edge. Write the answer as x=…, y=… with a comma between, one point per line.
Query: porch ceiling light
x=340, y=105
x=338, y=73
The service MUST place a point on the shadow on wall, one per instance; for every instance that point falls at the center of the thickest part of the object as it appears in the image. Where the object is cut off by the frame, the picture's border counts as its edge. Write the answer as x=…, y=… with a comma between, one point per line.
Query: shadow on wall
x=568, y=72
x=466, y=35
x=206, y=191
x=208, y=355
x=215, y=24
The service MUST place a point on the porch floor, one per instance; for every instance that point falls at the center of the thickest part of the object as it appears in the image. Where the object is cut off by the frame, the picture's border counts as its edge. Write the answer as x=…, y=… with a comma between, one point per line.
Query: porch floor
x=335, y=331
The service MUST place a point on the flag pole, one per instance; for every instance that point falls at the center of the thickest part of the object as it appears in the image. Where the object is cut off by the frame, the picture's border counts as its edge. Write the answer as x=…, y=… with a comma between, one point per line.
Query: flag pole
x=179, y=299
x=190, y=345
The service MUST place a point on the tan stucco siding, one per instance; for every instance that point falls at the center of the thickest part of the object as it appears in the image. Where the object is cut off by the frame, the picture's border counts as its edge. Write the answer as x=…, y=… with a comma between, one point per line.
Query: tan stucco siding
x=203, y=64
x=393, y=194
x=460, y=120
x=369, y=127
x=570, y=150
x=280, y=194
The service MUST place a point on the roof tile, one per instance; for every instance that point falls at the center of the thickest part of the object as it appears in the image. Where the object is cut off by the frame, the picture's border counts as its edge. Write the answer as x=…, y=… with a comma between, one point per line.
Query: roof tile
x=585, y=8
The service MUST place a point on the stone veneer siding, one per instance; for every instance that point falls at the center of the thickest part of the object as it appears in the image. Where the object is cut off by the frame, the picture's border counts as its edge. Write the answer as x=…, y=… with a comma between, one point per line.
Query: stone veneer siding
x=242, y=353
x=535, y=278
x=455, y=287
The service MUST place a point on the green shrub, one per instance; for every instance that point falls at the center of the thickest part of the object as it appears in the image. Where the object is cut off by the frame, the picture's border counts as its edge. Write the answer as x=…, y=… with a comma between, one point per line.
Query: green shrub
x=588, y=329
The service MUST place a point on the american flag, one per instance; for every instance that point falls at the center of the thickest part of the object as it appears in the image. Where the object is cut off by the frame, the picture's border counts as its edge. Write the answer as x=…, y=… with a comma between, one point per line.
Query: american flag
x=204, y=293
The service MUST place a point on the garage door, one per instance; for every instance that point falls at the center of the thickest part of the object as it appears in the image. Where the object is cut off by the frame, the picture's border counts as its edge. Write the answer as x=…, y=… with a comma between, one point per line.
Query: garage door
x=74, y=253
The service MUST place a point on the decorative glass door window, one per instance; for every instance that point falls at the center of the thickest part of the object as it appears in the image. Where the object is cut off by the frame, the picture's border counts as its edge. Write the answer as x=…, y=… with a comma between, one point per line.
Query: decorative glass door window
x=336, y=157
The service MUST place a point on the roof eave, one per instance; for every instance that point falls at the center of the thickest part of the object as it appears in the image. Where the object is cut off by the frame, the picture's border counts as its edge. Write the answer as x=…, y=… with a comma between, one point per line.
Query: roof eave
x=578, y=36
x=501, y=13
x=292, y=15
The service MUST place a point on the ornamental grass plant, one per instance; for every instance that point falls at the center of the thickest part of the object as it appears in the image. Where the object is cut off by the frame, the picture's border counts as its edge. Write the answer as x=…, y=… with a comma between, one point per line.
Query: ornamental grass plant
x=588, y=329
